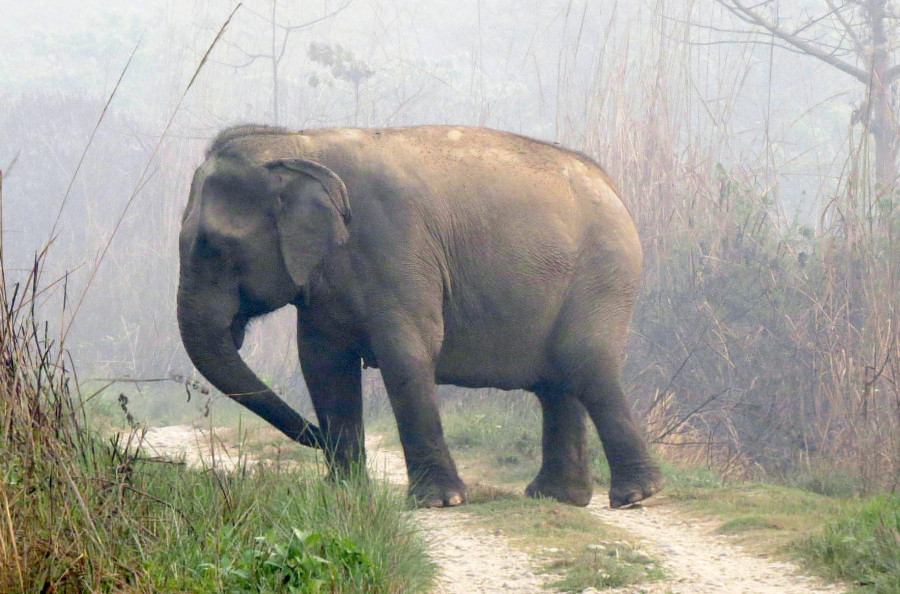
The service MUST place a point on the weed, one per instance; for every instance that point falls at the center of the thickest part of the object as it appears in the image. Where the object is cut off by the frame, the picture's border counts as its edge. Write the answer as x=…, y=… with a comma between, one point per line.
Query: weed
x=310, y=562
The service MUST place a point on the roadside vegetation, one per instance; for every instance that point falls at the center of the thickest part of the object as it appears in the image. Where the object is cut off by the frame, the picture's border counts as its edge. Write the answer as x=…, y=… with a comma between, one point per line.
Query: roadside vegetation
x=83, y=511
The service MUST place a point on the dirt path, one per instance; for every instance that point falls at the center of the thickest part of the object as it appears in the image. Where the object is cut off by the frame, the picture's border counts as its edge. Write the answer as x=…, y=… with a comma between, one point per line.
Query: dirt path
x=189, y=444
x=696, y=559
x=473, y=559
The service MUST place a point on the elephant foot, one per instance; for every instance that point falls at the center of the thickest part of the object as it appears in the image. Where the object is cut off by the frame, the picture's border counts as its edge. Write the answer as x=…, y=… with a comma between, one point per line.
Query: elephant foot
x=576, y=493
x=432, y=492
x=636, y=486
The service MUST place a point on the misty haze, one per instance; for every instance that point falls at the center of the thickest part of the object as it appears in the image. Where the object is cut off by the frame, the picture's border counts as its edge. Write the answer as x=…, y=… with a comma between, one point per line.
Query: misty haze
x=676, y=262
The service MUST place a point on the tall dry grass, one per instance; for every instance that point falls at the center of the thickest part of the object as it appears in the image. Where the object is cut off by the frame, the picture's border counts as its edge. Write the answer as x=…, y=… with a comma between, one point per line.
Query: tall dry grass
x=760, y=344
x=60, y=487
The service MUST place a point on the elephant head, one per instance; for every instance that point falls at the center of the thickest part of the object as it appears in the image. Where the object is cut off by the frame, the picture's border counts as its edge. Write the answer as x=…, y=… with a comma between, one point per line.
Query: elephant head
x=252, y=233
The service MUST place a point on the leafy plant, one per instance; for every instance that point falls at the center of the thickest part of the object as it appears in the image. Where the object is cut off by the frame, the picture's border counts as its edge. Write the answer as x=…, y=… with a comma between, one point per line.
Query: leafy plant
x=310, y=562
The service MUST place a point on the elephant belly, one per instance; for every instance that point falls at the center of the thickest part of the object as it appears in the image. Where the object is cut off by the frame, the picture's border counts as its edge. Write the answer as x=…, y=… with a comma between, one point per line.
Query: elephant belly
x=492, y=356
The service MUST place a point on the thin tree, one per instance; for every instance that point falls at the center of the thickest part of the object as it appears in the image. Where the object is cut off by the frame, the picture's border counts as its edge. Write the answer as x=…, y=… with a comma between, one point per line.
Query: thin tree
x=278, y=46
x=856, y=37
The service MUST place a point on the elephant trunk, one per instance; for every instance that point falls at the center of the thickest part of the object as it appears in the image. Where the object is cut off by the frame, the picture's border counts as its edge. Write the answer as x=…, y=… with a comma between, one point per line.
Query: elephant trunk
x=209, y=341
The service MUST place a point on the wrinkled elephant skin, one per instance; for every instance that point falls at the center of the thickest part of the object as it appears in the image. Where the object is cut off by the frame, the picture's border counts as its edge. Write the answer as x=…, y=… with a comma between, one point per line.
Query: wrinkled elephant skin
x=450, y=255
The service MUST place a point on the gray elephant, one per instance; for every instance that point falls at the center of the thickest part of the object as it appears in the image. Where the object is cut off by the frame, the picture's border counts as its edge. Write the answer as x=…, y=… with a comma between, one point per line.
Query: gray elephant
x=449, y=255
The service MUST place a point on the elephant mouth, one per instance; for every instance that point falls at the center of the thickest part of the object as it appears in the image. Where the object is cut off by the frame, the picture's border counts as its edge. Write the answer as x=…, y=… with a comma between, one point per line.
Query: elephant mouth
x=249, y=310
x=239, y=330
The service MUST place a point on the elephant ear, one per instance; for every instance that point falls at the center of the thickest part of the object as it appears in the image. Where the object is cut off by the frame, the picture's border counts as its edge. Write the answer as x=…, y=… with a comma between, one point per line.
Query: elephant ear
x=313, y=213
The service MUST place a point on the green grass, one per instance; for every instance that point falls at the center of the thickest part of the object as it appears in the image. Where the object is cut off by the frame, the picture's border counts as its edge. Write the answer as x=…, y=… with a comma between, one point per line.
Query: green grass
x=153, y=526
x=839, y=537
x=258, y=529
x=605, y=566
x=568, y=542
x=747, y=524
x=772, y=516
x=861, y=545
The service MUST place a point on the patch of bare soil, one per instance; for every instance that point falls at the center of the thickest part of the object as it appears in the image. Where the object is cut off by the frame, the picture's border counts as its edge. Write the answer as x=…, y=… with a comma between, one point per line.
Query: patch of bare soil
x=696, y=559
x=191, y=445
x=473, y=559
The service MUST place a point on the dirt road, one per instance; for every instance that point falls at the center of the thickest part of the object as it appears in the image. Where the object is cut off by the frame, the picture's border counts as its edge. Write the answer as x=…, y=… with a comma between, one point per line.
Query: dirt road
x=472, y=559
x=699, y=561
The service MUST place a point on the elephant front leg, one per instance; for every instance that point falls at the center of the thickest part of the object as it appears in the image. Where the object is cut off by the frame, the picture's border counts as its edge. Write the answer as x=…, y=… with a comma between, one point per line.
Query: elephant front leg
x=410, y=383
x=565, y=472
x=333, y=377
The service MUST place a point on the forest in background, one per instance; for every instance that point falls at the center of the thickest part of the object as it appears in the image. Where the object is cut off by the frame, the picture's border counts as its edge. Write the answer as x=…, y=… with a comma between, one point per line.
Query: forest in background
x=766, y=337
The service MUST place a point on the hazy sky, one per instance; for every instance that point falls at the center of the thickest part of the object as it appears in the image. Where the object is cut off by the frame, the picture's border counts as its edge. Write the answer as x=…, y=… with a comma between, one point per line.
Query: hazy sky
x=576, y=71
x=505, y=58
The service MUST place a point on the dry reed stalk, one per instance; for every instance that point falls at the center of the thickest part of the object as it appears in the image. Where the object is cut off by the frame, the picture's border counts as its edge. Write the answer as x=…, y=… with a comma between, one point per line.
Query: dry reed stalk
x=801, y=330
x=144, y=178
x=52, y=535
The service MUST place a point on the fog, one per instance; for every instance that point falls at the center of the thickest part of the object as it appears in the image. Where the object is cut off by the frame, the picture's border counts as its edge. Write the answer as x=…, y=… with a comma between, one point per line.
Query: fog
x=676, y=99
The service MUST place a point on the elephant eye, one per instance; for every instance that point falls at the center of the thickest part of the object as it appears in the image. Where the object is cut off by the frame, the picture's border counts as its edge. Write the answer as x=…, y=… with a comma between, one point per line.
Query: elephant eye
x=205, y=248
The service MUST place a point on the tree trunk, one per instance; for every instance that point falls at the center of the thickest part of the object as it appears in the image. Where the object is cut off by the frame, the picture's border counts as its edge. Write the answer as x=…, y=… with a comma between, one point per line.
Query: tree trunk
x=881, y=123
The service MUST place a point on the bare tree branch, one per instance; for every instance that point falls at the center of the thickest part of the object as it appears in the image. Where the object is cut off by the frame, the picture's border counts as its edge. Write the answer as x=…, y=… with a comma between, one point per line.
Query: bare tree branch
x=315, y=21
x=748, y=15
x=766, y=38
x=848, y=28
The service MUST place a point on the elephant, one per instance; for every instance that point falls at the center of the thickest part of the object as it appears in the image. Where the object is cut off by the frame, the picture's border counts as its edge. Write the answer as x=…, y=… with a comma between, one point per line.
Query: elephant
x=438, y=254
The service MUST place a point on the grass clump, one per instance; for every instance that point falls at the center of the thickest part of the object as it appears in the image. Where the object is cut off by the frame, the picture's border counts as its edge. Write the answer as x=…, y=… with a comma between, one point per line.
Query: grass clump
x=601, y=566
x=291, y=530
x=766, y=518
x=746, y=524
x=861, y=545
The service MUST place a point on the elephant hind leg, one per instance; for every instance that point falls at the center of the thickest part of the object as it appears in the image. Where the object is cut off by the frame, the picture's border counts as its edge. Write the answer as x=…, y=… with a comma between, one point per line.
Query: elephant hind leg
x=593, y=369
x=565, y=473
x=634, y=474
